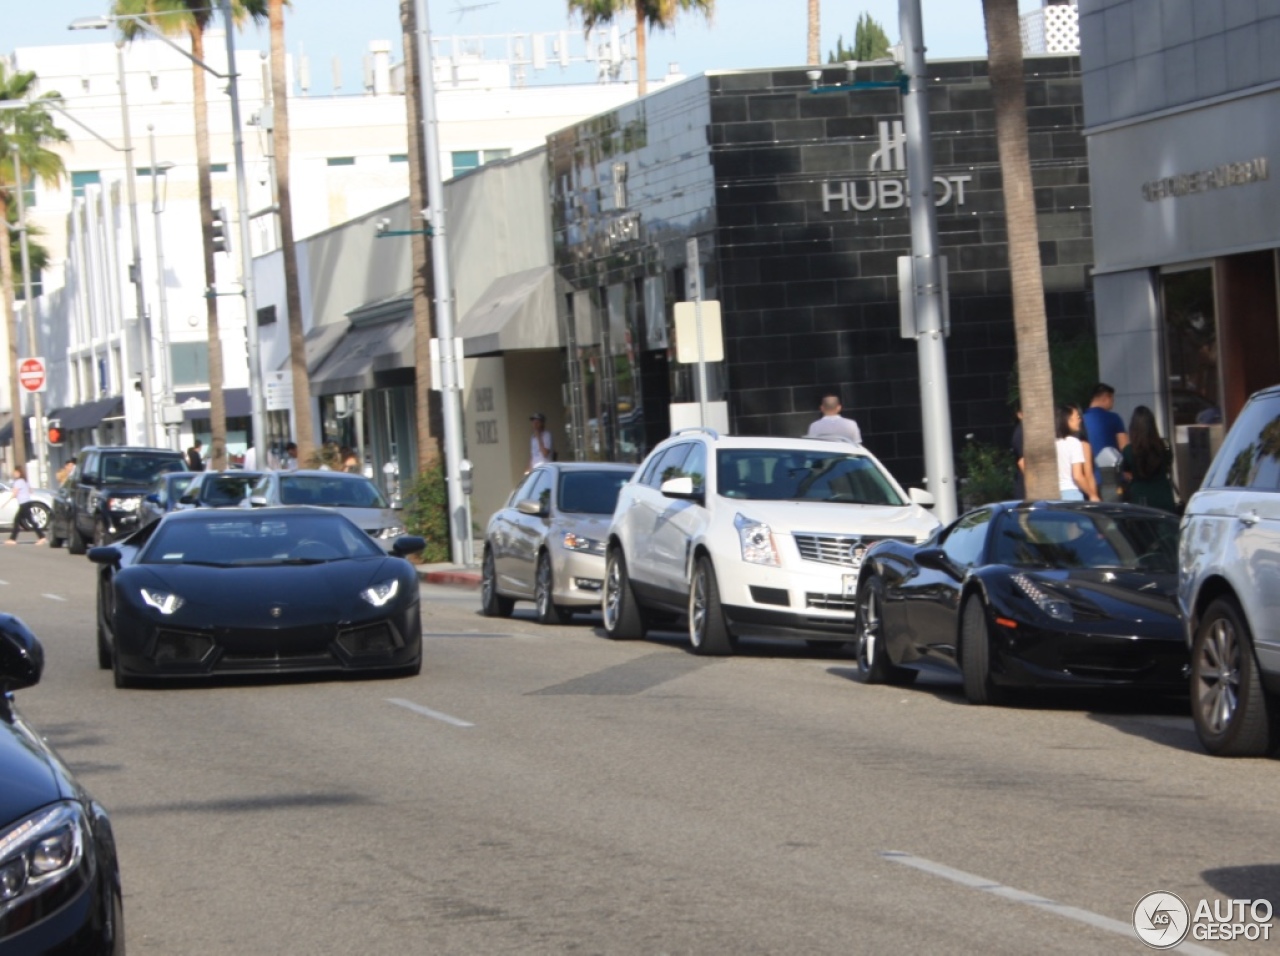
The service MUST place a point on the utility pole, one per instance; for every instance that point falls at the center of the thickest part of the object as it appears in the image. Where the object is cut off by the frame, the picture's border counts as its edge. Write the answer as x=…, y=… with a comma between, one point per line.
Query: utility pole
x=33, y=345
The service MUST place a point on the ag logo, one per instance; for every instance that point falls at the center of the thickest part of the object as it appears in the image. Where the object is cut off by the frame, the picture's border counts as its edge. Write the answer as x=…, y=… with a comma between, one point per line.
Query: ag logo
x=1161, y=920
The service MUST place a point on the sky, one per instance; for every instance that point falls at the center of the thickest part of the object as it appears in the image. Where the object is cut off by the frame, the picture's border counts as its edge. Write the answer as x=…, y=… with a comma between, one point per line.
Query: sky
x=743, y=34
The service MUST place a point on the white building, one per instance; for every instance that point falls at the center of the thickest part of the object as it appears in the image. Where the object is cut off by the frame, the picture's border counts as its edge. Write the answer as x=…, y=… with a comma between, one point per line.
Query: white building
x=348, y=157
x=1054, y=28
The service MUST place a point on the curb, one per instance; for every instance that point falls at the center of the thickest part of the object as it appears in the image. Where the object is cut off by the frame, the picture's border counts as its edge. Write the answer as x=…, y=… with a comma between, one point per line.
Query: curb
x=456, y=577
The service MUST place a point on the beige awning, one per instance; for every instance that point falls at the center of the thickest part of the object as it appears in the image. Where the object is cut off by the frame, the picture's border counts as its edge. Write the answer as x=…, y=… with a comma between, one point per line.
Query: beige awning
x=516, y=312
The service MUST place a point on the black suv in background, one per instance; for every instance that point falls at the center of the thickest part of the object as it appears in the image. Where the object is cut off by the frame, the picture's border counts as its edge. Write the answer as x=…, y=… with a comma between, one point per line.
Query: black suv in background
x=100, y=501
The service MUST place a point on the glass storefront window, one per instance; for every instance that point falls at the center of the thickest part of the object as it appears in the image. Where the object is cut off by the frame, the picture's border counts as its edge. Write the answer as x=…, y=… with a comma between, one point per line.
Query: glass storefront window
x=1191, y=347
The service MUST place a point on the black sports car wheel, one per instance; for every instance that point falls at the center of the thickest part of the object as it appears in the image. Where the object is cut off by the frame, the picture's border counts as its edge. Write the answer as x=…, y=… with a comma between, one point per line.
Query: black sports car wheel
x=975, y=655
x=708, y=630
x=544, y=593
x=104, y=645
x=874, y=666
x=117, y=672
x=492, y=604
x=1230, y=707
x=622, y=616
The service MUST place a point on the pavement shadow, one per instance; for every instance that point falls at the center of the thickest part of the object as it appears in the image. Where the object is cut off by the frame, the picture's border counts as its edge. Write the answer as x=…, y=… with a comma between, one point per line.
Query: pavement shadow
x=1260, y=881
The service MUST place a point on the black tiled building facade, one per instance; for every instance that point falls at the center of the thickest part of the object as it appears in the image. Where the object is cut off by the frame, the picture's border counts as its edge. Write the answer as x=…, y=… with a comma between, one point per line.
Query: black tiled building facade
x=796, y=198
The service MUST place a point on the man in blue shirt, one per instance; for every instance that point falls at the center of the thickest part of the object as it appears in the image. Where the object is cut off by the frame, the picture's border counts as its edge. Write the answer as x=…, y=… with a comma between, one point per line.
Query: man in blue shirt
x=1105, y=429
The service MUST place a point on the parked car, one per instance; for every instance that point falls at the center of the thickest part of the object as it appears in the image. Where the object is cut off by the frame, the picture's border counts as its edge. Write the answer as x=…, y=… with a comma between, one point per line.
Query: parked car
x=1229, y=587
x=164, y=494
x=213, y=591
x=547, y=544
x=220, y=489
x=1046, y=594
x=759, y=536
x=59, y=876
x=102, y=499
x=41, y=507
x=355, y=496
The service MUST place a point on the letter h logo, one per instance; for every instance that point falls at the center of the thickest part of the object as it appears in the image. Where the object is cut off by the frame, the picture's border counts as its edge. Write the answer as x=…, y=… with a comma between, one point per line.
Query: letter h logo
x=891, y=155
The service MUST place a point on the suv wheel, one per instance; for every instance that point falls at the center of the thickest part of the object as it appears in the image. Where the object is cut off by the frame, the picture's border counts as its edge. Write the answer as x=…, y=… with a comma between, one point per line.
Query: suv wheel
x=75, y=543
x=622, y=616
x=1228, y=702
x=708, y=630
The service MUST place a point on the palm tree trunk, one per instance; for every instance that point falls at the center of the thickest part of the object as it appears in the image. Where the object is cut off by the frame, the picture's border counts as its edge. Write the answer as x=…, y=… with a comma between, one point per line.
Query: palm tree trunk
x=815, y=23
x=217, y=403
x=429, y=410
x=642, y=66
x=11, y=327
x=304, y=430
x=1035, y=379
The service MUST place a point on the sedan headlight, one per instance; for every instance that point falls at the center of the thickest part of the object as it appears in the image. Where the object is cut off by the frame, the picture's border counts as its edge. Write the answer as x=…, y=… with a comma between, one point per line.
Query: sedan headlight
x=385, y=534
x=380, y=594
x=578, y=542
x=1056, y=608
x=756, y=539
x=124, y=504
x=38, y=852
x=163, y=601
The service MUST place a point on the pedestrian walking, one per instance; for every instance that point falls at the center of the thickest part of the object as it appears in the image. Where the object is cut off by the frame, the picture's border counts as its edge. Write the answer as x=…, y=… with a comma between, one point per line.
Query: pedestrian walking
x=540, y=447
x=832, y=422
x=1103, y=428
x=1075, y=479
x=20, y=491
x=195, y=461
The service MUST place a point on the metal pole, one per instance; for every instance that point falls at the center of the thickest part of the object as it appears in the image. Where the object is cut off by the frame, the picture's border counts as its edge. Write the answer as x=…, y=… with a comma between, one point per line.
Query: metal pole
x=257, y=397
x=166, y=375
x=459, y=506
x=42, y=451
x=935, y=405
x=135, y=268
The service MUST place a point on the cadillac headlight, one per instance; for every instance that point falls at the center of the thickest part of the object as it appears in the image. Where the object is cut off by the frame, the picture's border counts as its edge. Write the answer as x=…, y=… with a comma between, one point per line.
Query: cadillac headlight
x=124, y=504
x=578, y=542
x=1056, y=608
x=40, y=851
x=380, y=594
x=756, y=539
x=163, y=601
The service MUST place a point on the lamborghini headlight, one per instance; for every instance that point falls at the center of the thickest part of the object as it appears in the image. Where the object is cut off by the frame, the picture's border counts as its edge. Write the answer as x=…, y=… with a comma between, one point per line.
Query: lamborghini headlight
x=756, y=539
x=1056, y=608
x=40, y=851
x=380, y=594
x=165, y=602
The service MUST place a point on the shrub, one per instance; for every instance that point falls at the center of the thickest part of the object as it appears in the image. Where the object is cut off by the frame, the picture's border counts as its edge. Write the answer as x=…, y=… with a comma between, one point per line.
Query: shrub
x=426, y=512
x=987, y=473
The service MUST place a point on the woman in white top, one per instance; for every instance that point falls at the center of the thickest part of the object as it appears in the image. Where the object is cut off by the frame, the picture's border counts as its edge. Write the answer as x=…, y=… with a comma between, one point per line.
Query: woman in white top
x=20, y=491
x=1075, y=478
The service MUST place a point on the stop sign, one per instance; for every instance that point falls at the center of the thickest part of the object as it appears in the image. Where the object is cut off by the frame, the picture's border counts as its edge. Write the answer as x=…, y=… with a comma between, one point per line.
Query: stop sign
x=31, y=374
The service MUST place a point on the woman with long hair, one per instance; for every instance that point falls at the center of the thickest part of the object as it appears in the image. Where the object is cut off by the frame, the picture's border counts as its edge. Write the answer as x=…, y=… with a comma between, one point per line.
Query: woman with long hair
x=1075, y=475
x=1145, y=464
x=20, y=491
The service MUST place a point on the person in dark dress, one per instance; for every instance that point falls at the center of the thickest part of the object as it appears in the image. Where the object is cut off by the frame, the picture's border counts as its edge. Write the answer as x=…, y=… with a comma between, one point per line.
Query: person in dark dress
x=1146, y=462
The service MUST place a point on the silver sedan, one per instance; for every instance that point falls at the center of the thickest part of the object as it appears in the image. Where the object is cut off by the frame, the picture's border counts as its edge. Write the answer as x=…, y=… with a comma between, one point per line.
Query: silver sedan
x=547, y=544
x=41, y=507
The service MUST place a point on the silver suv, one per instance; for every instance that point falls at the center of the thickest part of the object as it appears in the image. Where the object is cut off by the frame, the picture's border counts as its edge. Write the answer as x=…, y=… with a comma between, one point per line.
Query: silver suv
x=1229, y=587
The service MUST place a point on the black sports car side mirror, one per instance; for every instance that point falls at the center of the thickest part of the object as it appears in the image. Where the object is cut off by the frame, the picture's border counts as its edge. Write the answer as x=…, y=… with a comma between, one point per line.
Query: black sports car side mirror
x=21, y=656
x=104, y=554
x=408, y=544
x=934, y=558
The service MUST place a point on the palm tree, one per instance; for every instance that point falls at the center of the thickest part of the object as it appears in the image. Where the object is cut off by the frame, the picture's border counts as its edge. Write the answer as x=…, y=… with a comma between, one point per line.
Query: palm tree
x=659, y=14
x=303, y=428
x=25, y=132
x=193, y=17
x=815, y=33
x=430, y=413
x=1035, y=378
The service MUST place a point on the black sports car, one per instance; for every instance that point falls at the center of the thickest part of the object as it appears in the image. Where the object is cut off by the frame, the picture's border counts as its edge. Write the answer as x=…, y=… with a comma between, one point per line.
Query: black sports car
x=229, y=591
x=1047, y=594
x=59, y=879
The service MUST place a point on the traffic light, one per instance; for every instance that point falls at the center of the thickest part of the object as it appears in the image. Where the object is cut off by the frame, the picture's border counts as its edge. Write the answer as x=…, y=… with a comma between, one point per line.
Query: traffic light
x=219, y=230
x=55, y=431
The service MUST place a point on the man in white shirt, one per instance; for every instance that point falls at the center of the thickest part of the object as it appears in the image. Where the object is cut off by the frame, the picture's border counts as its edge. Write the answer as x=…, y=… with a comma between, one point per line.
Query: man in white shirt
x=832, y=422
x=540, y=449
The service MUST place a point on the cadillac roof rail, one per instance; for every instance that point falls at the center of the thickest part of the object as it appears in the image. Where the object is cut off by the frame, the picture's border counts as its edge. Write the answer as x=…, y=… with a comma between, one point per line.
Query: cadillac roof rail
x=696, y=428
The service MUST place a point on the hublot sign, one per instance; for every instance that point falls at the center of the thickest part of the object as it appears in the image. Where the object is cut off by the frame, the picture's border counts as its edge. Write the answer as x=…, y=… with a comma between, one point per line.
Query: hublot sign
x=863, y=195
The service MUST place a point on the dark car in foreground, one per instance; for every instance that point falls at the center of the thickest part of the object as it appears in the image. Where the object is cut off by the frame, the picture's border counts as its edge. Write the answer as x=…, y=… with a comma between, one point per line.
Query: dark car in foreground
x=211, y=592
x=1043, y=594
x=102, y=500
x=59, y=878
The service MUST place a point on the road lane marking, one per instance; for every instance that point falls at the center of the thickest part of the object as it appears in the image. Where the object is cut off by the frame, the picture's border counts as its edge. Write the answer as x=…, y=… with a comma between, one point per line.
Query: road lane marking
x=428, y=712
x=1031, y=899
x=54, y=597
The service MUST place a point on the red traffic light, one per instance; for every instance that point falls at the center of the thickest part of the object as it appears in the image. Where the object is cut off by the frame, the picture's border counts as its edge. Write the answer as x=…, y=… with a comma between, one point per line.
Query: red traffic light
x=55, y=432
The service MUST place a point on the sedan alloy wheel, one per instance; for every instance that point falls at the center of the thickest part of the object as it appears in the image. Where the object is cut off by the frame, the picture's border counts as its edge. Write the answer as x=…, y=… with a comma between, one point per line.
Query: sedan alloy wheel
x=492, y=604
x=544, y=594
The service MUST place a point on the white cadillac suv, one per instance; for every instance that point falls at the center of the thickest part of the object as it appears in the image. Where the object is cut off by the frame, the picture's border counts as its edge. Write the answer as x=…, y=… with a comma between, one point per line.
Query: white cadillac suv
x=751, y=536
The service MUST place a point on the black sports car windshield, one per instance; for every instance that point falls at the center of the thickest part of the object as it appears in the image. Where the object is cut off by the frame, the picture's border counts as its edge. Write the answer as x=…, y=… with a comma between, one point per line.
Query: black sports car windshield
x=258, y=538
x=329, y=492
x=125, y=468
x=777, y=474
x=590, y=492
x=1044, y=538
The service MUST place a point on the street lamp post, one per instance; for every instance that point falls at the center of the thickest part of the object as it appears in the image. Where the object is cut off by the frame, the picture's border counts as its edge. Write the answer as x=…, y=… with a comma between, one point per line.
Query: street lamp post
x=37, y=401
x=157, y=208
x=451, y=405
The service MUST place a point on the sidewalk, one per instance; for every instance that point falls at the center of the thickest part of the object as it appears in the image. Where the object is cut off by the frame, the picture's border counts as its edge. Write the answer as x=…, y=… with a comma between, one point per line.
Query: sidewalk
x=449, y=573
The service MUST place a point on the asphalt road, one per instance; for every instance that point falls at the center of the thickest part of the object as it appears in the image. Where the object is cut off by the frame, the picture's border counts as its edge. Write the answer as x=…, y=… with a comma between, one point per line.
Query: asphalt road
x=545, y=790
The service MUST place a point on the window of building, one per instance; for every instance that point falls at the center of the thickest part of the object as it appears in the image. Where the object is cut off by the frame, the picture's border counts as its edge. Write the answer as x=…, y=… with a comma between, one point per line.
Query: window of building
x=217, y=167
x=341, y=161
x=190, y=363
x=398, y=157
x=465, y=159
x=82, y=178
x=267, y=316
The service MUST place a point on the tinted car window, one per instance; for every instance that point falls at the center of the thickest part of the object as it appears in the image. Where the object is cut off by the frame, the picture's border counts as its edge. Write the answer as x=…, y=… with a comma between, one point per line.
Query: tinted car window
x=1250, y=456
x=223, y=490
x=590, y=492
x=695, y=467
x=1074, y=539
x=667, y=465
x=766, y=474
x=258, y=537
x=330, y=492
x=136, y=469
x=966, y=541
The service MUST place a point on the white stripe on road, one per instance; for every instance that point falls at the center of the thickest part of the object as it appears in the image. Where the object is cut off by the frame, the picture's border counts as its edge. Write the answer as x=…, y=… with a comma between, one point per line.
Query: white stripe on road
x=428, y=712
x=1031, y=899
x=53, y=597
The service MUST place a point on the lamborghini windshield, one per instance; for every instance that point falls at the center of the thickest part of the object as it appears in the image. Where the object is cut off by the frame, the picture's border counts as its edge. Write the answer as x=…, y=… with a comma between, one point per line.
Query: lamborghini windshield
x=237, y=539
